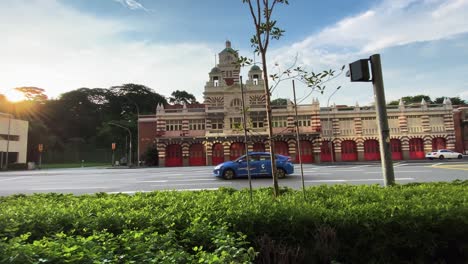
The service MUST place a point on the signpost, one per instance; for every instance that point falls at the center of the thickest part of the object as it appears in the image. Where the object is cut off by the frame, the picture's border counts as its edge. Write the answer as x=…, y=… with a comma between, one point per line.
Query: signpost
x=40, y=147
x=113, y=156
x=359, y=72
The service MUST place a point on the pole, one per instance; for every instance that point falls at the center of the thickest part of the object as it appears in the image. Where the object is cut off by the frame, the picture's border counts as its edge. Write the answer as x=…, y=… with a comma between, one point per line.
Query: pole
x=138, y=128
x=8, y=142
x=129, y=161
x=384, y=131
x=130, y=154
x=40, y=160
x=138, y=135
x=245, y=138
x=330, y=143
x=113, y=158
x=297, y=139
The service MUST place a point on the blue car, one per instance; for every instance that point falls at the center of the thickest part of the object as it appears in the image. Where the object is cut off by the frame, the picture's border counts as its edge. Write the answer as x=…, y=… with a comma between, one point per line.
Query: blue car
x=260, y=165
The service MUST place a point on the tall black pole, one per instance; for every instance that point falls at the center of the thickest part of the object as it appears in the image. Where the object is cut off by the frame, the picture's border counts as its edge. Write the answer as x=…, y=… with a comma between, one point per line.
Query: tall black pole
x=384, y=131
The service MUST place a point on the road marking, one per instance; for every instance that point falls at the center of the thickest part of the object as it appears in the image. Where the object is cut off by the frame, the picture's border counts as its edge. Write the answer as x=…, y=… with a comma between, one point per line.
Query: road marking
x=188, y=184
x=345, y=170
x=127, y=192
x=462, y=166
x=354, y=180
x=325, y=181
x=400, y=165
x=368, y=172
x=15, y=178
x=187, y=180
x=67, y=188
x=435, y=165
x=362, y=166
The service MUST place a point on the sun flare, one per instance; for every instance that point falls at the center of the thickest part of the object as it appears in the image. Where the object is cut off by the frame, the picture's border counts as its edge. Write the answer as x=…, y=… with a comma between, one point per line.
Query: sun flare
x=14, y=96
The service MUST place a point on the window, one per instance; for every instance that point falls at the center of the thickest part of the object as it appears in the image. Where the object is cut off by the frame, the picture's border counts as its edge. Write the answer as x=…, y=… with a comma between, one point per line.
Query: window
x=257, y=121
x=414, y=121
x=215, y=81
x=236, y=102
x=197, y=124
x=255, y=79
x=303, y=121
x=11, y=137
x=173, y=125
x=235, y=122
x=279, y=121
x=217, y=124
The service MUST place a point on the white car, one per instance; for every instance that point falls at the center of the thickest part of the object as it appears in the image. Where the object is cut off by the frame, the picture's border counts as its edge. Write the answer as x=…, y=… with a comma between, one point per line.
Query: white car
x=443, y=154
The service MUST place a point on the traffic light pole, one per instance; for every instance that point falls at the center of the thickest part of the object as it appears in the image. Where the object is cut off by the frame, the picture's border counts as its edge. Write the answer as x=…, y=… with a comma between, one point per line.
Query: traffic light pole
x=384, y=131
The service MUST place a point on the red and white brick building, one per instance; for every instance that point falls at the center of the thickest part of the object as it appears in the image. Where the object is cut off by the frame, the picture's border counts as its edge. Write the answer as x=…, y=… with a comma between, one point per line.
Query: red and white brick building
x=210, y=133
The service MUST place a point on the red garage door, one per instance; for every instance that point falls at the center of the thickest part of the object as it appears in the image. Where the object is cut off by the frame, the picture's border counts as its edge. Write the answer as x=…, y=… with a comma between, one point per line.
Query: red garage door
x=416, y=146
x=173, y=155
x=325, y=151
x=371, y=150
x=258, y=147
x=348, y=150
x=395, y=146
x=218, y=154
x=306, y=152
x=281, y=148
x=237, y=150
x=197, y=155
x=438, y=143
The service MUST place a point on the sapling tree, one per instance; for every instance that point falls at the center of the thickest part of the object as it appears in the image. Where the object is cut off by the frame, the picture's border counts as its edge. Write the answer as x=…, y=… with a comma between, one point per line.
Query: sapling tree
x=266, y=29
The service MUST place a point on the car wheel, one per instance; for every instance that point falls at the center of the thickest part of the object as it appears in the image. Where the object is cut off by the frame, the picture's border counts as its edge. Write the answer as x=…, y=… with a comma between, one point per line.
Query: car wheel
x=281, y=173
x=228, y=174
x=460, y=157
x=441, y=157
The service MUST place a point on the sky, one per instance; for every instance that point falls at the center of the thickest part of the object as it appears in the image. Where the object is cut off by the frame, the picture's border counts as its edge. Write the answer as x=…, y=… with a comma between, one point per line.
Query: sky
x=63, y=45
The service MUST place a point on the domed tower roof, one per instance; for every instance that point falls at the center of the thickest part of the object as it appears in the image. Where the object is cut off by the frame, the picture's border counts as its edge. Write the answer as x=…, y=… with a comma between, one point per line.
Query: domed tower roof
x=255, y=68
x=215, y=70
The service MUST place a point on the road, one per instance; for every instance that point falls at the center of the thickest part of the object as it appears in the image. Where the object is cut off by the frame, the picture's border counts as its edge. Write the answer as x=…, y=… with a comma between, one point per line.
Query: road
x=92, y=180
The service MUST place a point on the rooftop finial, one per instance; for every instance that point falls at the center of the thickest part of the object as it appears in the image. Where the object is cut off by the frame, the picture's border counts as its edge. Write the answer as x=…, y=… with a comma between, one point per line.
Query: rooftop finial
x=228, y=44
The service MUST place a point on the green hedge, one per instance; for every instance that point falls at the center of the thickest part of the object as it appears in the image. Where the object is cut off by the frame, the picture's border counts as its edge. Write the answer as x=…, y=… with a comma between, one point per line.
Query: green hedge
x=415, y=223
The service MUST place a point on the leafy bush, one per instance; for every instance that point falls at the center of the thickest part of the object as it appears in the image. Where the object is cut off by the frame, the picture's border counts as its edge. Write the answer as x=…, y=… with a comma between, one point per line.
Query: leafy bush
x=415, y=223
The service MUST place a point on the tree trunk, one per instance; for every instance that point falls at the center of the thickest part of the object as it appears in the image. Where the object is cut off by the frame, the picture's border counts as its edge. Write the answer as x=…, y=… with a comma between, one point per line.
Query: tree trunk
x=270, y=129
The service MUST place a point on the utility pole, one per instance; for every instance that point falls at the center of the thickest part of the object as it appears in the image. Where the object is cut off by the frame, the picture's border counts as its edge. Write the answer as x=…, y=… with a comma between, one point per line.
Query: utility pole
x=298, y=140
x=384, y=131
x=359, y=72
x=244, y=120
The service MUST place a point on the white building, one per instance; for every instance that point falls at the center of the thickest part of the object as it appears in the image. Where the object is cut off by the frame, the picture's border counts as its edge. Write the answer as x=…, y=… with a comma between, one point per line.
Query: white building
x=13, y=139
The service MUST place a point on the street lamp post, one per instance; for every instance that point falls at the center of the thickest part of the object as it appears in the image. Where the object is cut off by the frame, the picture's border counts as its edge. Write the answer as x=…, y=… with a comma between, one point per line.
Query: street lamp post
x=330, y=142
x=130, y=145
x=138, y=129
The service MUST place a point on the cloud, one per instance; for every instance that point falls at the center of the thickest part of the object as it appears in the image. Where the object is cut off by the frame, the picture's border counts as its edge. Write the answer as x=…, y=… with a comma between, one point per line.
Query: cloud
x=389, y=24
x=132, y=4
x=59, y=49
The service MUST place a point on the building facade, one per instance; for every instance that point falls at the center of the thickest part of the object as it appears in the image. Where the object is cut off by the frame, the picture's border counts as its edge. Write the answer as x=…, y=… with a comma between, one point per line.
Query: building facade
x=212, y=132
x=13, y=139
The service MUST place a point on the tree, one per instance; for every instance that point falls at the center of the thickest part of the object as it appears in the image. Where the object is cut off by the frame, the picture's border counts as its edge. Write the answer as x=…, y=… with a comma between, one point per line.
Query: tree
x=265, y=30
x=280, y=101
x=412, y=99
x=179, y=97
x=33, y=93
x=455, y=100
